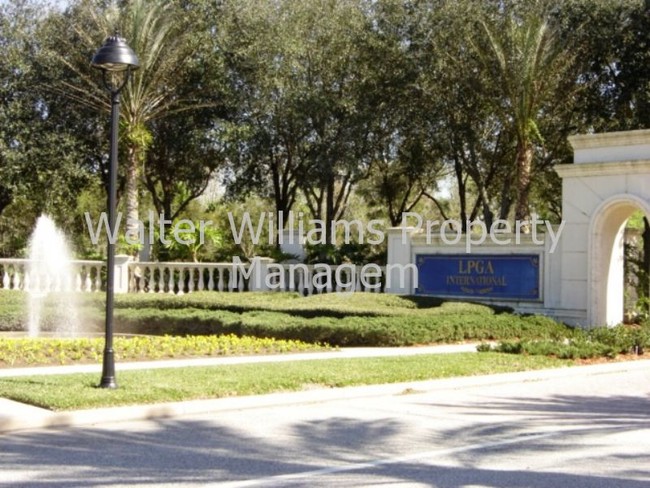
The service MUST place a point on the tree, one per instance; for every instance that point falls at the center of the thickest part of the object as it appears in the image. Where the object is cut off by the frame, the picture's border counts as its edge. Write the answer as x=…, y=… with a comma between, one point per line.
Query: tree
x=14, y=70
x=522, y=51
x=268, y=132
x=458, y=106
x=340, y=105
x=179, y=169
x=406, y=165
x=42, y=162
x=157, y=32
x=301, y=123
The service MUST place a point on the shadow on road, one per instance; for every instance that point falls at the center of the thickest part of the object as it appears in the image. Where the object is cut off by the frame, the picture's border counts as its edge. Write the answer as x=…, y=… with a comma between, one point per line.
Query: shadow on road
x=191, y=452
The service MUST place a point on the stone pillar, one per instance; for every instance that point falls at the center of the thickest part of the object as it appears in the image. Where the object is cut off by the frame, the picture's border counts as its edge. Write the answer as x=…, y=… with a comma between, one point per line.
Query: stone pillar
x=259, y=272
x=398, y=279
x=121, y=284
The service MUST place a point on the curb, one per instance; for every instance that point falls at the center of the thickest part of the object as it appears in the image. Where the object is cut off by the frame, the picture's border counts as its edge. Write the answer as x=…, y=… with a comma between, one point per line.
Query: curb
x=34, y=418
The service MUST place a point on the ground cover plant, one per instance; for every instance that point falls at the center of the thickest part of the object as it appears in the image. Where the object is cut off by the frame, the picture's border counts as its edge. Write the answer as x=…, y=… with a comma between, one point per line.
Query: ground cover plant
x=67, y=392
x=356, y=319
x=51, y=351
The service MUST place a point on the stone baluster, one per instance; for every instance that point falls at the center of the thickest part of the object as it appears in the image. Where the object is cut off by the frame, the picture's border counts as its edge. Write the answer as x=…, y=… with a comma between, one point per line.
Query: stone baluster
x=152, y=279
x=301, y=281
x=137, y=275
x=240, y=283
x=98, y=278
x=231, y=278
x=221, y=278
x=170, y=282
x=88, y=281
x=181, y=280
x=210, y=279
x=133, y=283
x=190, y=280
x=200, y=284
x=161, y=279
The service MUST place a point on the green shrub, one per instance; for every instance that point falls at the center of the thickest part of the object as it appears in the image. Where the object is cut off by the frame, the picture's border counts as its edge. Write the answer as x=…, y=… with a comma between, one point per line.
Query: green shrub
x=600, y=342
x=358, y=319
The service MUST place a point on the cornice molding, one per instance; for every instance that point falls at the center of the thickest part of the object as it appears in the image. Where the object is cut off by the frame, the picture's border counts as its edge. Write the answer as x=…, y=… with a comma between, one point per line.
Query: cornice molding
x=610, y=139
x=604, y=169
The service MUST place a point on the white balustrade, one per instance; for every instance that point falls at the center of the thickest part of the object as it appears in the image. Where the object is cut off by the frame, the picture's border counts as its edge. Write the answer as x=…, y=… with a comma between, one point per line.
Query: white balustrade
x=85, y=276
x=180, y=278
x=322, y=278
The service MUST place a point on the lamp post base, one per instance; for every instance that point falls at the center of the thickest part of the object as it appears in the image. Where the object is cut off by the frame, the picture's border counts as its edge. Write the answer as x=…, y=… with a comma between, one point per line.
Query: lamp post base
x=108, y=371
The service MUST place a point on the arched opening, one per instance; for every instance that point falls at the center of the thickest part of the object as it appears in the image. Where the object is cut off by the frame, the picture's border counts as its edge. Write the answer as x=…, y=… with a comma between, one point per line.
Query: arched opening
x=606, y=272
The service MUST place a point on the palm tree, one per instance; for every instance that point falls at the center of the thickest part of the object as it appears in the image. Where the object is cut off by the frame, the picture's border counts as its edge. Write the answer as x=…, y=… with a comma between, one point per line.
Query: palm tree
x=523, y=53
x=155, y=32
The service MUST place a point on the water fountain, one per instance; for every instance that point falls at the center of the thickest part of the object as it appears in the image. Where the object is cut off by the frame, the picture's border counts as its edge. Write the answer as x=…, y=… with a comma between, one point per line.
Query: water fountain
x=52, y=303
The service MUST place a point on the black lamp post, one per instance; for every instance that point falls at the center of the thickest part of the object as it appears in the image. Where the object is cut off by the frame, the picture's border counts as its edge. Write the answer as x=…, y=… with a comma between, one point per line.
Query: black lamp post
x=116, y=60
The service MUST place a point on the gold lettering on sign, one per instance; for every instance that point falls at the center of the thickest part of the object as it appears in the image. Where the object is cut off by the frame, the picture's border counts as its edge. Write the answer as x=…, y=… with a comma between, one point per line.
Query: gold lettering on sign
x=476, y=273
x=475, y=266
x=463, y=280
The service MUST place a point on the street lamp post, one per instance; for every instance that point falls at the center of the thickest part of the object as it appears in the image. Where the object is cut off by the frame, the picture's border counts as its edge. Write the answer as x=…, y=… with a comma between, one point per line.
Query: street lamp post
x=115, y=59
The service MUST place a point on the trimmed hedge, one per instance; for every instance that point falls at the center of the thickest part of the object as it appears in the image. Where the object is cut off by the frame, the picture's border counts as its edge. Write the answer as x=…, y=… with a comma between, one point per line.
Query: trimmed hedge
x=600, y=342
x=347, y=331
x=359, y=319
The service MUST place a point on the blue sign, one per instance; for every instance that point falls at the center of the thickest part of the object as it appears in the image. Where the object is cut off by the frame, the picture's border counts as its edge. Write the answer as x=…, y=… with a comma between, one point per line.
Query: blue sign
x=497, y=276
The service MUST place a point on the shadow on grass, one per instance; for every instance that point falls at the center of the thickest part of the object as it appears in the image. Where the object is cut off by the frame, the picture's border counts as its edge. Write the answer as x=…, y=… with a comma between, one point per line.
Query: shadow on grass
x=424, y=301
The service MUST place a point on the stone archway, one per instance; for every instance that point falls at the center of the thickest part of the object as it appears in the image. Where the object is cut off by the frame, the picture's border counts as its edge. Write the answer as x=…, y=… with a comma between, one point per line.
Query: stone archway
x=609, y=180
x=581, y=277
x=606, y=249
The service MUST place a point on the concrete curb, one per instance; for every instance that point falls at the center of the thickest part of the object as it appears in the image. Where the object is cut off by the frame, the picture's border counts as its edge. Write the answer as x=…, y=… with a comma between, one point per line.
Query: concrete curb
x=27, y=417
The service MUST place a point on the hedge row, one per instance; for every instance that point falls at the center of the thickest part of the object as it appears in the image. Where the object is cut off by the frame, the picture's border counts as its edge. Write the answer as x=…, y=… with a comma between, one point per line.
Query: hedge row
x=333, y=304
x=601, y=342
x=347, y=331
x=337, y=319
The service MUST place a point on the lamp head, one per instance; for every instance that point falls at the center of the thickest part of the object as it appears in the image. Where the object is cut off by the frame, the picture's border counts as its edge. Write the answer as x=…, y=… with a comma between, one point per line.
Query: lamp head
x=115, y=55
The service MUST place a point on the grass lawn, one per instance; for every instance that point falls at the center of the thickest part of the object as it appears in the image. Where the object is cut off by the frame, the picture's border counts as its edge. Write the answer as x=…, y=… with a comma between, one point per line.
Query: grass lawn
x=79, y=391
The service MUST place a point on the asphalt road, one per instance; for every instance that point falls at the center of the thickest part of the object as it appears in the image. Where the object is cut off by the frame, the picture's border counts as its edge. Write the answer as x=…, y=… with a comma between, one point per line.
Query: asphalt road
x=583, y=431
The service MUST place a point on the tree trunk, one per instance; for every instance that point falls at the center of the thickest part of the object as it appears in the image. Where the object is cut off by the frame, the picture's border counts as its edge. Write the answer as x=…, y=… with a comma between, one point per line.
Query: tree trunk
x=524, y=169
x=645, y=275
x=6, y=197
x=132, y=194
x=462, y=196
x=329, y=210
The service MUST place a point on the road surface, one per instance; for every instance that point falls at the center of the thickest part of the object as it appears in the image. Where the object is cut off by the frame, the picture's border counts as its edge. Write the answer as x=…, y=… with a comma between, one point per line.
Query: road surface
x=589, y=430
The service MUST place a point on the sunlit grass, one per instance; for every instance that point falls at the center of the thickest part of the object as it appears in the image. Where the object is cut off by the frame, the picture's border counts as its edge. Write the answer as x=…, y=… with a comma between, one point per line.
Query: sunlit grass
x=78, y=391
